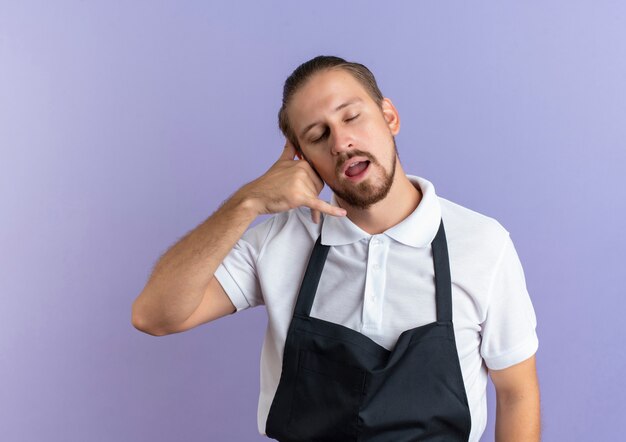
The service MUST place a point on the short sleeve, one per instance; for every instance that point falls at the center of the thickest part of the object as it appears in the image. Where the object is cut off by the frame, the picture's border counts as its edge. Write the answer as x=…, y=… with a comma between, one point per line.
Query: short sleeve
x=509, y=330
x=237, y=273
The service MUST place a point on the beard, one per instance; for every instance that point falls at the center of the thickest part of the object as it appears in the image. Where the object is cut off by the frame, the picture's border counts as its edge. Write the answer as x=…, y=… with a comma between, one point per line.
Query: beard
x=365, y=193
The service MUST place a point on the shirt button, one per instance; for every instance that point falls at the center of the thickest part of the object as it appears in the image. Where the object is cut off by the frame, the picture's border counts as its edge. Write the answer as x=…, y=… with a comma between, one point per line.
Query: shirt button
x=376, y=266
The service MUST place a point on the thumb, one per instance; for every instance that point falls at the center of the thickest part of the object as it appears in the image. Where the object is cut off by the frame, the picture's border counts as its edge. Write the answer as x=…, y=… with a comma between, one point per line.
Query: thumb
x=288, y=152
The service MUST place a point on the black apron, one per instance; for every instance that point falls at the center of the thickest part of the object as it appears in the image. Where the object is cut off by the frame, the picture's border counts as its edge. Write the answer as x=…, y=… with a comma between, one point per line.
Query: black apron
x=339, y=385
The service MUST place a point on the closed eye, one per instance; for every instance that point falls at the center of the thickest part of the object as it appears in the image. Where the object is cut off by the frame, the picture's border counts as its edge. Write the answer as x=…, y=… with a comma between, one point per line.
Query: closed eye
x=320, y=138
x=324, y=134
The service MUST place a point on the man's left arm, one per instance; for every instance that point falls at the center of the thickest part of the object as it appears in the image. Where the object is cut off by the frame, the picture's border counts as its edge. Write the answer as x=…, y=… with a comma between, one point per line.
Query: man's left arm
x=517, y=402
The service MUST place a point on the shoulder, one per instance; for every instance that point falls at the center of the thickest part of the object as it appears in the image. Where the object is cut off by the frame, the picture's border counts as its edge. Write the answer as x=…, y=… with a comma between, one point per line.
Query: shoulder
x=293, y=227
x=461, y=216
x=471, y=234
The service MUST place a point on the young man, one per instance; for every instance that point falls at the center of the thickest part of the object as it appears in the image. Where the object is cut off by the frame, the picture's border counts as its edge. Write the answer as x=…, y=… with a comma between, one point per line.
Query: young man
x=360, y=292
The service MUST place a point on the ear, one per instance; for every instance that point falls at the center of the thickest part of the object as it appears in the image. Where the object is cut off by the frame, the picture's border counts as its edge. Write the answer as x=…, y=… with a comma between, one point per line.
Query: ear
x=390, y=113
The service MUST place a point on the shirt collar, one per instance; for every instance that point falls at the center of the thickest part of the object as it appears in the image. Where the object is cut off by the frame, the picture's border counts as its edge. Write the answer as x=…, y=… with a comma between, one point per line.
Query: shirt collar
x=416, y=230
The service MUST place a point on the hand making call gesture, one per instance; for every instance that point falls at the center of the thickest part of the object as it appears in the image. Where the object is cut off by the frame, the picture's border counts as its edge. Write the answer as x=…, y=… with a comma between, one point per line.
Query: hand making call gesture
x=288, y=184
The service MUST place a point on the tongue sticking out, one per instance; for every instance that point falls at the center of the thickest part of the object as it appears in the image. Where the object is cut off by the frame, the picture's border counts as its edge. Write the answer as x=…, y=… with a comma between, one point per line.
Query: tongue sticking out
x=357, y=168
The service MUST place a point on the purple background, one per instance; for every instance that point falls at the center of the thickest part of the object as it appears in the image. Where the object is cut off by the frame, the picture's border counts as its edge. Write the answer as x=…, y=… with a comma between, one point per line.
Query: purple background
x=123, y=125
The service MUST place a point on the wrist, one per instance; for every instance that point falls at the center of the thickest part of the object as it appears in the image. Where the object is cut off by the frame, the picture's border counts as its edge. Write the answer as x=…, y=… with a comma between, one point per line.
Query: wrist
x=244, y=202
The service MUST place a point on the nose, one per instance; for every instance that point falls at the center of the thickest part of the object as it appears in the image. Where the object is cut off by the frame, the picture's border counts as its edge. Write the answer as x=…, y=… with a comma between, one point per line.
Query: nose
x=341, y=140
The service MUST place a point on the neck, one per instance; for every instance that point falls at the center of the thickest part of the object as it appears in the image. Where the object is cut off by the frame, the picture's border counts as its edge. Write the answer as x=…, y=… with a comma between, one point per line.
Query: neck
x=402, y=199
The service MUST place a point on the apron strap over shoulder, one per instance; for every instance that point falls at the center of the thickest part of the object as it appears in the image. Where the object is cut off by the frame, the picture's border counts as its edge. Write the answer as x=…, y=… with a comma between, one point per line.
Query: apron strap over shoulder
x=308, y=288
x=443, y=283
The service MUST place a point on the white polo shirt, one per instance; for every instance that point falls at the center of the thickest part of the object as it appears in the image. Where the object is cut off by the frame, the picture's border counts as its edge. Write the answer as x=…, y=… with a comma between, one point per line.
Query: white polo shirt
x=381, y=285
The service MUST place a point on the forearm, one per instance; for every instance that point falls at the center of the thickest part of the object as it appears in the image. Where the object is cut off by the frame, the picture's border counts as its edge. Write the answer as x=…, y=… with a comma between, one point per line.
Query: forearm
x=518, y=418
x=180, y=277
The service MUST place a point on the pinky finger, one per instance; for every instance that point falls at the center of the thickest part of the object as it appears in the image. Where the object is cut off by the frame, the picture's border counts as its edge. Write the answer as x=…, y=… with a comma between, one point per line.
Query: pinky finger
x=322, y=206
x=315, y=216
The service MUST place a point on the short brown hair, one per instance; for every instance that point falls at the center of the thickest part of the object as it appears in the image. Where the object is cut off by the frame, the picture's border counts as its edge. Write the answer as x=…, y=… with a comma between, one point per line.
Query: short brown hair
x=320, y=63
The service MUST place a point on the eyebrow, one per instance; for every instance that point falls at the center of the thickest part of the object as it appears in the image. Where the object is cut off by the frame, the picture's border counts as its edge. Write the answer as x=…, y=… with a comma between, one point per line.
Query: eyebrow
x=338, y=108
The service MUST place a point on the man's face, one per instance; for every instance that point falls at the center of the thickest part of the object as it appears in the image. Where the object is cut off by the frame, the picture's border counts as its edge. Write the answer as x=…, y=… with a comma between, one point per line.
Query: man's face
x=338, y=124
